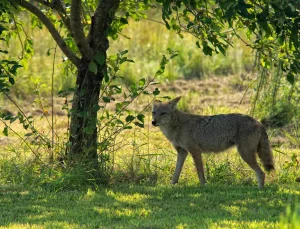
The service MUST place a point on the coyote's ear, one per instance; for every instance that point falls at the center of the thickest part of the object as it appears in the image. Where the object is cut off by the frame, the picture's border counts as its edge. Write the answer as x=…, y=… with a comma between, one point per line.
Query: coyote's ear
x=174, y=102
x=156, y=102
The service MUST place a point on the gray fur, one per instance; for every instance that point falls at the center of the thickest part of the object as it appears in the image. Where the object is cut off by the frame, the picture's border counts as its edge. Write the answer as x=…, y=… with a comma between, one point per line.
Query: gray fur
x=203, y=134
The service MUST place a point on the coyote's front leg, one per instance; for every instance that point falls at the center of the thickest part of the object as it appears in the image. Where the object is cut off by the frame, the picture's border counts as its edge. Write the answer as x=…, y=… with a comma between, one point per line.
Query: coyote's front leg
x=181, y=156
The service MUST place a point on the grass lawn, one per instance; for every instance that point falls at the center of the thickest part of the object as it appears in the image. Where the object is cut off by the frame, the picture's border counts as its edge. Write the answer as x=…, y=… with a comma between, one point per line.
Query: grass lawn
x=230, y=200
x=166, y=206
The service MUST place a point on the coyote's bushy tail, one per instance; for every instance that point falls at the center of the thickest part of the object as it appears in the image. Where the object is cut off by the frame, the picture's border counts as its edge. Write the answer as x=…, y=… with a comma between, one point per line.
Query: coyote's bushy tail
x=265, y=152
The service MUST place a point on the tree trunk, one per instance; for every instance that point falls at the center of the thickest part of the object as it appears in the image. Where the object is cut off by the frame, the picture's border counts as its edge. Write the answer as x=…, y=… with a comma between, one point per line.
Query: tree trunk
x=83, y=126
x=83, y=130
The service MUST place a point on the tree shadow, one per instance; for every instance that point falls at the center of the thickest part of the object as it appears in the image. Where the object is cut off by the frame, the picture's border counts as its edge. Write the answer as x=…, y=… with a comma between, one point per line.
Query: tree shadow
x=145, y=206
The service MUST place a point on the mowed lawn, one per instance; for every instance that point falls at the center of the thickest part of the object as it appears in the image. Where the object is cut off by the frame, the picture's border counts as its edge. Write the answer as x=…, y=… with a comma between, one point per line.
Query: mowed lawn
x=137, y=206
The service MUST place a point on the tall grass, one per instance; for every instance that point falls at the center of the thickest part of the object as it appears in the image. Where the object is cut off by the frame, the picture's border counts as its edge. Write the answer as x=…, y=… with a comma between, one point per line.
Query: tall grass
x=146, y=41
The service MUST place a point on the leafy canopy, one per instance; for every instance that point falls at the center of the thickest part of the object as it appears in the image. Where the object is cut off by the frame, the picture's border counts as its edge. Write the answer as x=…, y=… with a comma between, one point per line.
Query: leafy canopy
x=272, y=27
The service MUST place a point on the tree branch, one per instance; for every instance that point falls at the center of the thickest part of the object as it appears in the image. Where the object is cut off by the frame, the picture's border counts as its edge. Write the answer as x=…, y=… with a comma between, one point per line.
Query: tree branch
x=101, y=21
x=55, y=34
x=78, y=32
x=59, y=6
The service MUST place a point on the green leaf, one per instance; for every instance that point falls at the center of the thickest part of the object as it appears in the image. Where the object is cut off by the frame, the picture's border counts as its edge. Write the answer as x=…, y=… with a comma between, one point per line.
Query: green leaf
x=88, y=130
x=120, y=122
x=123, y=52
x=28, y=134
x=106, y=99
x=154, y=83
x=123, y=60
x=116, y=89
x=114, y=36
x=141, y=125
x=166, y=97
x=142, y=82
x=106, y=77
x=146, y=92
x=2, y=29
x=290, y=78
x=265, y=26
x=11, y=80
x=159, y=72
x=141, y=118
x=156, y=91
x=5, y=131
x=163, y=62
x=12, y=119
x=123, y=21
x=174, y=55
x=14, y=68
x=82, y=114
x=206, y=49
x=100, y=58
x=167, y=25
x=129, y=118
x=189, y=25
x=93, y=67
x=221, y=49
x=48, y=52
x=96, y=107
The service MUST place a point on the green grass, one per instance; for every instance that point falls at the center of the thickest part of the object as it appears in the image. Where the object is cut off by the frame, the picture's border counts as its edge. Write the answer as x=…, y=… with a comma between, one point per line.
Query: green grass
x=125, y=206
x=148, y=41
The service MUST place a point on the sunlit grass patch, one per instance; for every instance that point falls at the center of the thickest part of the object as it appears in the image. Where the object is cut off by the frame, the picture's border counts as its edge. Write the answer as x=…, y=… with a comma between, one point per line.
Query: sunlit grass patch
x=162, y=206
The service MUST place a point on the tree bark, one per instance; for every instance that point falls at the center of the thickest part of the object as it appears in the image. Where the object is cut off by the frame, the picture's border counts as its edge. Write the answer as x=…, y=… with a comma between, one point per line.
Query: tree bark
x=83, y=126
x=83, y=130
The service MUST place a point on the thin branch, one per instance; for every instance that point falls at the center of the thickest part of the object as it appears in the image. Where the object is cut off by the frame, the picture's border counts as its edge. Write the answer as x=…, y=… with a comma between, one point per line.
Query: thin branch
x=19, y=36
x=159, y=22
x=26, y=143
x=78, y=32
x=66, y=21
x=51, y=28
x=31, y=126
x=57, y=5
x=130, y=102
x=116, y=132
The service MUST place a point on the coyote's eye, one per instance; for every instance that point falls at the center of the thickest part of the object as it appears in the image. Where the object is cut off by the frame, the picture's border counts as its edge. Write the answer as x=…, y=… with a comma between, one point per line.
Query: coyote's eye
x=163, y=113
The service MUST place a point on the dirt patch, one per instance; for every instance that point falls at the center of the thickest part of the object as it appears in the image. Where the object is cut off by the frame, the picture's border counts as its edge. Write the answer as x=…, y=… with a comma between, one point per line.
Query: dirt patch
x=213, y=91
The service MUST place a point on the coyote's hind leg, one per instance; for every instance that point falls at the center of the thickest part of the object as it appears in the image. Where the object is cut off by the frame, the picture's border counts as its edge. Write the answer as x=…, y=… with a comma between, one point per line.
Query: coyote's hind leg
x=199, y=166
x=248, y=155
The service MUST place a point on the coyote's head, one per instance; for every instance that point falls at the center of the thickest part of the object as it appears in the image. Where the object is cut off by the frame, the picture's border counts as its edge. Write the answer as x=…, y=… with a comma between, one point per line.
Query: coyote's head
x=162, y=112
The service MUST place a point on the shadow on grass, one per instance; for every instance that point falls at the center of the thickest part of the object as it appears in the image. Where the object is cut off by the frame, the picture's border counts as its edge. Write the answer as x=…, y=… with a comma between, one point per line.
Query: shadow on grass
x=146, y=207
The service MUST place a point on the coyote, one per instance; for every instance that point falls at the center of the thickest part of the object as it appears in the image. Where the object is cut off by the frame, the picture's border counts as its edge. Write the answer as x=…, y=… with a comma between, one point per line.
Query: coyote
x=202, y=134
